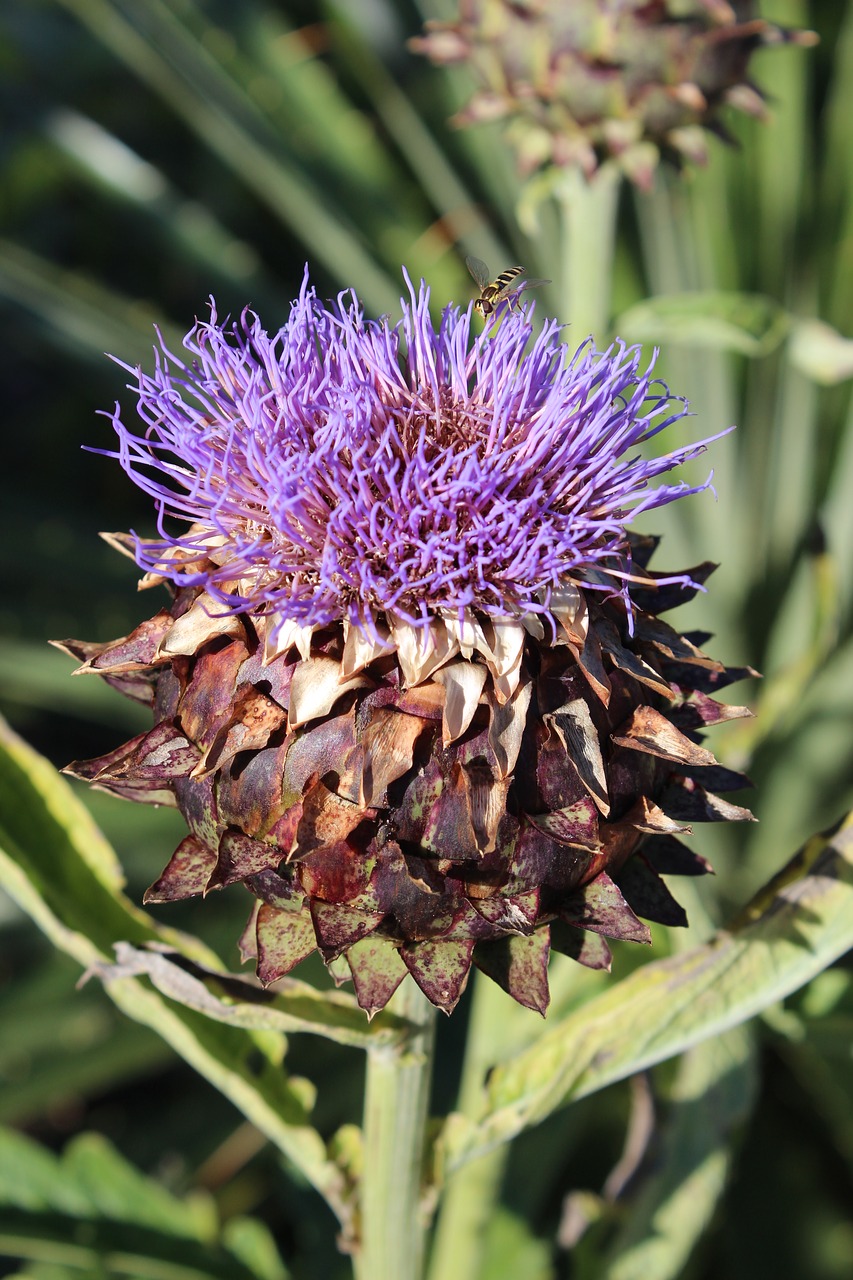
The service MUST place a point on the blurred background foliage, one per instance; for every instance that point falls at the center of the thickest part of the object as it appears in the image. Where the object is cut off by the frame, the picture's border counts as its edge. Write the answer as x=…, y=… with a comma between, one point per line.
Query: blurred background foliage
x=155, y=152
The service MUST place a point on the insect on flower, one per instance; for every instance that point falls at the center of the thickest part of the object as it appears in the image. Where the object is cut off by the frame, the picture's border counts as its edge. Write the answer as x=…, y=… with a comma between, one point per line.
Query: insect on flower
x=502, y=289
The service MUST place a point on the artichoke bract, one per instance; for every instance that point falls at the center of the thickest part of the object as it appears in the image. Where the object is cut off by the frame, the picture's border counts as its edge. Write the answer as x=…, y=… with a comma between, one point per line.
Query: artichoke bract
x=412, y=688
x=582, y=82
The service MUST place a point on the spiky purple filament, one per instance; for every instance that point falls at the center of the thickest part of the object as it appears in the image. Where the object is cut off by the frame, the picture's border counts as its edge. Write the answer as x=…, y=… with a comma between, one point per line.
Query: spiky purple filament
x=345, y=464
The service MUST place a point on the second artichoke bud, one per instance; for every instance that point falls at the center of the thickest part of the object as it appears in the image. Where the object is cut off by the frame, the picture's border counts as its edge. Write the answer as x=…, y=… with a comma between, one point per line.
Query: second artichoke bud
x=582, y=82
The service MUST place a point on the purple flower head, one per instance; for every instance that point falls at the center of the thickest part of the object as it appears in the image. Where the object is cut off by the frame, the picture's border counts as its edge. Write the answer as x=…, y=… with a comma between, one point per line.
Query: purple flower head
x=346, y=468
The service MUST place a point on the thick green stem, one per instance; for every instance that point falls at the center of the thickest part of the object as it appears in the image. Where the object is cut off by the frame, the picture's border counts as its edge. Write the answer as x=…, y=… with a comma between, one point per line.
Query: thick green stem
x=467, y=1208
x=469, y=1197
x=588, y=214
x=395, y=1113
x=677, y=225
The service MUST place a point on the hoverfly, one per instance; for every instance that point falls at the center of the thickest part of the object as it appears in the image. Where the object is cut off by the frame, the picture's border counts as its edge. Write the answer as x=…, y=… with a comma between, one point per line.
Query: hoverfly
x=502, y=289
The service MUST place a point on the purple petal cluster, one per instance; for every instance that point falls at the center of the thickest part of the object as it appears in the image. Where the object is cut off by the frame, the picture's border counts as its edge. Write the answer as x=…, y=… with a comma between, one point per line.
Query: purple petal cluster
x=345, y=467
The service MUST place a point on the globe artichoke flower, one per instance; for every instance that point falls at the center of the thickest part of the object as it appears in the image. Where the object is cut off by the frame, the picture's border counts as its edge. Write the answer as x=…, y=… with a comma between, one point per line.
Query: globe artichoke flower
x=411, y=687
x=630, y=80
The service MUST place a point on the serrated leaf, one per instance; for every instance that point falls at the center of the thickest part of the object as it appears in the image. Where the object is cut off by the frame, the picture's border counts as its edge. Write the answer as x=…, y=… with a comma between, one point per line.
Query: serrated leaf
x=30, y=1178
x=800, y=923
x=115, y=1189
x=295, y=1007
x=746, y=322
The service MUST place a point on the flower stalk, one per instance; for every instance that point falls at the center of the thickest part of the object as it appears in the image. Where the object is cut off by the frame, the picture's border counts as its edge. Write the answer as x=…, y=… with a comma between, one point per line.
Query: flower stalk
x=587, y=209
x=393, y=1218
x=469, y=1196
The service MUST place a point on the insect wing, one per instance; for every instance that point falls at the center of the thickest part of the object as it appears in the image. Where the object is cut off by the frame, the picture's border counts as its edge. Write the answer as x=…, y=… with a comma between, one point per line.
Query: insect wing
x=479, y=271
x=530, y=284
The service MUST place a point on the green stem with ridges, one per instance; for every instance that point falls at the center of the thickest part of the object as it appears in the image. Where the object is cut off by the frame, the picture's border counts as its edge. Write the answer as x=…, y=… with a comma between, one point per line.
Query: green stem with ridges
x=677, y=225
x=393, y=1217
x=588, y=209
x=469, y=1197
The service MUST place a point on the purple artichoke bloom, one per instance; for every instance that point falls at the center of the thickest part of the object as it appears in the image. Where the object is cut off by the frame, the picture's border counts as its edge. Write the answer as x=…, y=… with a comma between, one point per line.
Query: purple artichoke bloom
x=345, y=468
x=411, y=688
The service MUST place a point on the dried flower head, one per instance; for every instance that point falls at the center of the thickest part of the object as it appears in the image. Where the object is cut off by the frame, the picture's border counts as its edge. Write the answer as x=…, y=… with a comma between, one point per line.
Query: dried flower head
x=632, y=80
x=412, y=689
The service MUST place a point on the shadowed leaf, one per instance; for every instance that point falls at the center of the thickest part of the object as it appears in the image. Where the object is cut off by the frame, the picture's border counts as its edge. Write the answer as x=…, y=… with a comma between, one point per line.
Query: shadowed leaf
x=90, y=1207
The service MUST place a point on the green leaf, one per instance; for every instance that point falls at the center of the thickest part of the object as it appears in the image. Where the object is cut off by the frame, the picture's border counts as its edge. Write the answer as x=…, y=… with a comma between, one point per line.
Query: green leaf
x=511, y=1249
x=159, y=49
x=58, y=867
x=99, y=1048
x=259, y=1089
x=295, y=1007
x=95, y=1213
x=114, y=1189
x=250, y=1241
x=746, y=322
x=800, y=923
x=31, y=1178
x=814, y=1034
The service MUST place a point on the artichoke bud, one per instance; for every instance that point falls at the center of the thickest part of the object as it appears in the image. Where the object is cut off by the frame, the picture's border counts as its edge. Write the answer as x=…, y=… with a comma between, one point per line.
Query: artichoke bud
x=581, y=83
x=412, y=687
